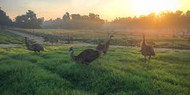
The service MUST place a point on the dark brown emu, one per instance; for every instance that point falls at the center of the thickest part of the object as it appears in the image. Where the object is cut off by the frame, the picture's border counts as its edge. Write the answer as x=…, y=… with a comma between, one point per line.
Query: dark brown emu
x=85, y=57
x=51, y=40
x=147, y=50
x=33, y=47
x=104, y=47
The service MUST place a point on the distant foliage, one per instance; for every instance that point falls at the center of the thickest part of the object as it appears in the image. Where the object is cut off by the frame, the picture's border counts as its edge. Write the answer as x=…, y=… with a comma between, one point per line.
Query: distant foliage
x=75, y=21
x=164, y=20
x=178, y=20
x=4, y=19
x=28, y=20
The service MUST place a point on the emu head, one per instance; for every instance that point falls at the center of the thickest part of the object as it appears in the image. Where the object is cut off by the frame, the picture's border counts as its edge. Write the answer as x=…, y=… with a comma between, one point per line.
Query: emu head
x=111, y=36
x=25, y=38
x=71, y=49
x=143, y=35
x=143, y=40
x=45, y=39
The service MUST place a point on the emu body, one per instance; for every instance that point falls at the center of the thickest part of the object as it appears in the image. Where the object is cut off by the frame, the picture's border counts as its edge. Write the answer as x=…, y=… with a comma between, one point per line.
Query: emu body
x=51, y=40
x=33, y=47
x=147, y=50
x=85, y=57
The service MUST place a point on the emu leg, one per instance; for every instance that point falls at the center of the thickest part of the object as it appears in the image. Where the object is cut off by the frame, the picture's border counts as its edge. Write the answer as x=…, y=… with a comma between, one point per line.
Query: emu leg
x=145, y=58
x=87, y=63
x=149, y=57
x=35, y=52
x=105, y=52
x=39, y=52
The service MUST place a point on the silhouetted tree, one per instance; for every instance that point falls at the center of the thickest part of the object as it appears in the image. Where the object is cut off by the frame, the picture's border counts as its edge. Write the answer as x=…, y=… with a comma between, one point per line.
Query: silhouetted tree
x=187, y=21
x=75, y=21
x=174, y=21
x=76, y=16
x=93, y=16
x=4, y=19
x=28, y=20
x=66, y=17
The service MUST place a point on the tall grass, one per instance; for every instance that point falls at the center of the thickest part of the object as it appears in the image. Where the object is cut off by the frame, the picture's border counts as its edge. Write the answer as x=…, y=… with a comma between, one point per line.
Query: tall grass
x=7, y=38
x=120, y=72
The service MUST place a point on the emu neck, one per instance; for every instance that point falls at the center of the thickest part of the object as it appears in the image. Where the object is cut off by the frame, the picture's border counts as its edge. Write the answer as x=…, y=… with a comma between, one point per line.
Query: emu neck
x=144, y=42
x=72, y=55
x=27, y=44
x=108, y=42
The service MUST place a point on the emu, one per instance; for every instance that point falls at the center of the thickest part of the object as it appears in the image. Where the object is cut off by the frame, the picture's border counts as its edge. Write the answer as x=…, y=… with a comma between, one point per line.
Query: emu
x=85, y=57
x=146, y=49
x=69, y=39
x=188, y=39
x=51, y=40
x=33, y=47
x=46, y=39
x=104, y=47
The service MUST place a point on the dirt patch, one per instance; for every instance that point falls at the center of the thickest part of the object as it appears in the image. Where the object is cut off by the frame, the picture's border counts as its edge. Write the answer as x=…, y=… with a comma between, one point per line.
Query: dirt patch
x=40, y=40
x=10, y=45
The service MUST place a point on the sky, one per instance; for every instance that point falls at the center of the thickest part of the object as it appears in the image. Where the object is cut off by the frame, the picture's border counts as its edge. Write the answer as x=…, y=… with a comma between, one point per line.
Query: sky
x=107, y=9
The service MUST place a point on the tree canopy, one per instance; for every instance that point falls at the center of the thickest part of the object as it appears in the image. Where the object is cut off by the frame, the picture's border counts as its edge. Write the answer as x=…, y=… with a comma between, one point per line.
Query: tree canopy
x=28, y=20
x=75, y=21
x=164, y=20
x=4, y=19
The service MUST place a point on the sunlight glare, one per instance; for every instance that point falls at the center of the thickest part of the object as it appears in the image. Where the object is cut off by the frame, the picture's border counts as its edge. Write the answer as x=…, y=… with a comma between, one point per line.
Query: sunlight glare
x=143, y=7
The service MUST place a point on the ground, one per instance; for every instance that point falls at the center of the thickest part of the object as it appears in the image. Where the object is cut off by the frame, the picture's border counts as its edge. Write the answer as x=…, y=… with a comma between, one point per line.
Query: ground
x=122, y=71
x=160, y=39
x=7, y=38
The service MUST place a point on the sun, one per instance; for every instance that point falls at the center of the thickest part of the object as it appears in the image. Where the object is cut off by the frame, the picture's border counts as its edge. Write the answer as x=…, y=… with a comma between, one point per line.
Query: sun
x=143, y=7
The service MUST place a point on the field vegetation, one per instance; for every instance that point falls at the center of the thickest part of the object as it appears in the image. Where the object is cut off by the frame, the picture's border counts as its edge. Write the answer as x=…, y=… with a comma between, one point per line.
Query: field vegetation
x=159, y=39
x=7, y=38
x=121, y=72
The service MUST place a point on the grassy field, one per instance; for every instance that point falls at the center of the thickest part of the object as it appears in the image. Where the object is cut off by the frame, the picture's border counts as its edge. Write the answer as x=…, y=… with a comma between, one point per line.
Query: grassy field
x=161, y=39
x=7, y=38
x=120, y=72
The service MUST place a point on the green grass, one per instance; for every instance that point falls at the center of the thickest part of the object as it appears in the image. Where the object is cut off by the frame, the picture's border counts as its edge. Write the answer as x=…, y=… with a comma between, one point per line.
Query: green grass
x=120, y=72
x=122, y=38
x=7, y=38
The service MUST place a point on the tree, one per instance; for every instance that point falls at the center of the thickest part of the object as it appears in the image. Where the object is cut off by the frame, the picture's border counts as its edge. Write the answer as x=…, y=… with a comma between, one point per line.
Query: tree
x=187, y=21
x=4, y=19
x=66, y=17
x=28, y=20
x=76, y=16
x=93, y=16
x=174, y=21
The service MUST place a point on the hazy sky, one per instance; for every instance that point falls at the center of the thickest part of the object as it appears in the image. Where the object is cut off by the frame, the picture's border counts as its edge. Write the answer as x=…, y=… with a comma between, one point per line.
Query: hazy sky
x=107, y=9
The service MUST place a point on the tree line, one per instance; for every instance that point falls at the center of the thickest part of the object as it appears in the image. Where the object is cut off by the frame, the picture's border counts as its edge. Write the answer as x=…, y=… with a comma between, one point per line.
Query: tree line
x=75, y=21
x=163, y=20
x=4, y=19
x=28, y=20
